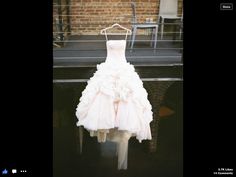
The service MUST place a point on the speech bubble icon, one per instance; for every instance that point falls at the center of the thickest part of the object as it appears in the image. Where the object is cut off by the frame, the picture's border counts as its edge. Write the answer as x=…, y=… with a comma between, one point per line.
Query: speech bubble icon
x=14, y=171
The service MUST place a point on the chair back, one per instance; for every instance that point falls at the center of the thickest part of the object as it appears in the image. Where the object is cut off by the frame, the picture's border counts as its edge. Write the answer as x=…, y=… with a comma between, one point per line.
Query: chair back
x=168, y=7
x=134, y=18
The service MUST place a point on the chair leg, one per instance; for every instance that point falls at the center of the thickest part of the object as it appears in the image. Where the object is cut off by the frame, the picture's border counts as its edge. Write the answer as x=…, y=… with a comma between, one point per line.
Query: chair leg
x=133, y=37
x=152, y=37
x=162, y=27
x=155, y=40
x=180, y=32
x=174, y=34
x=130, y=37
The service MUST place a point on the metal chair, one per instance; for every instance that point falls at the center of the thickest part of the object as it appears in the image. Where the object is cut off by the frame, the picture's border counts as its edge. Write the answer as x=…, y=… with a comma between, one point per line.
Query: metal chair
x=168, y=10
x=180, y=28
x=135, y=26
x=58, y=34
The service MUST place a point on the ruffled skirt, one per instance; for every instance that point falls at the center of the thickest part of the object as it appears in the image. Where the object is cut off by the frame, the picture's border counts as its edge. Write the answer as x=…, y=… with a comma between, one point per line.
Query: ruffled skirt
x=115, y=98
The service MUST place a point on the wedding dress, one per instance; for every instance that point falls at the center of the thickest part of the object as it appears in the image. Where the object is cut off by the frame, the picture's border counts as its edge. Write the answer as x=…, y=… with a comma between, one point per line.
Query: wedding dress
x=114, y=105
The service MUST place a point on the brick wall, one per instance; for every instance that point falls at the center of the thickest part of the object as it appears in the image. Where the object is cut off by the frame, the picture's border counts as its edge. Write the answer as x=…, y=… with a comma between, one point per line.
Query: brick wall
x=90, y=16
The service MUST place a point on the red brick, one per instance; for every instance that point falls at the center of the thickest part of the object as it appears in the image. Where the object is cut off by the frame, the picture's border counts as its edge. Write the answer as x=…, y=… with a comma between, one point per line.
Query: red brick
x=96, y=14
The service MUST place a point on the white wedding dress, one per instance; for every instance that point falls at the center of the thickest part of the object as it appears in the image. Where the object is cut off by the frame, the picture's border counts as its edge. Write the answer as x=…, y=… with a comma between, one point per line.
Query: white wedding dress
x=114, y=105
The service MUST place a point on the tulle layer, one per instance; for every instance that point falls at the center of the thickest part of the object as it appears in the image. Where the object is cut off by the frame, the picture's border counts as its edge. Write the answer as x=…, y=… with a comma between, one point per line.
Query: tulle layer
x=115, y=98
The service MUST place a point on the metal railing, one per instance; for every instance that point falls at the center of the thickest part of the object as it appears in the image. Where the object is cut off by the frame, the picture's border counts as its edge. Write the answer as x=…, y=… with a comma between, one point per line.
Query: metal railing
x=73, y=41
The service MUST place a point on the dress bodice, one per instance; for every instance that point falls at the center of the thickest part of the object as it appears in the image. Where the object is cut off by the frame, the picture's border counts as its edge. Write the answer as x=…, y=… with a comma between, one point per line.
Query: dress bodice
x=116, y=51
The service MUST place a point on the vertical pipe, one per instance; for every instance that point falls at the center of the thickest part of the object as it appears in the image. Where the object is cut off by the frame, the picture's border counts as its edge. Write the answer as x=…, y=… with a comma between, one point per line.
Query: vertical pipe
x=60, y=20
x=68, y=15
